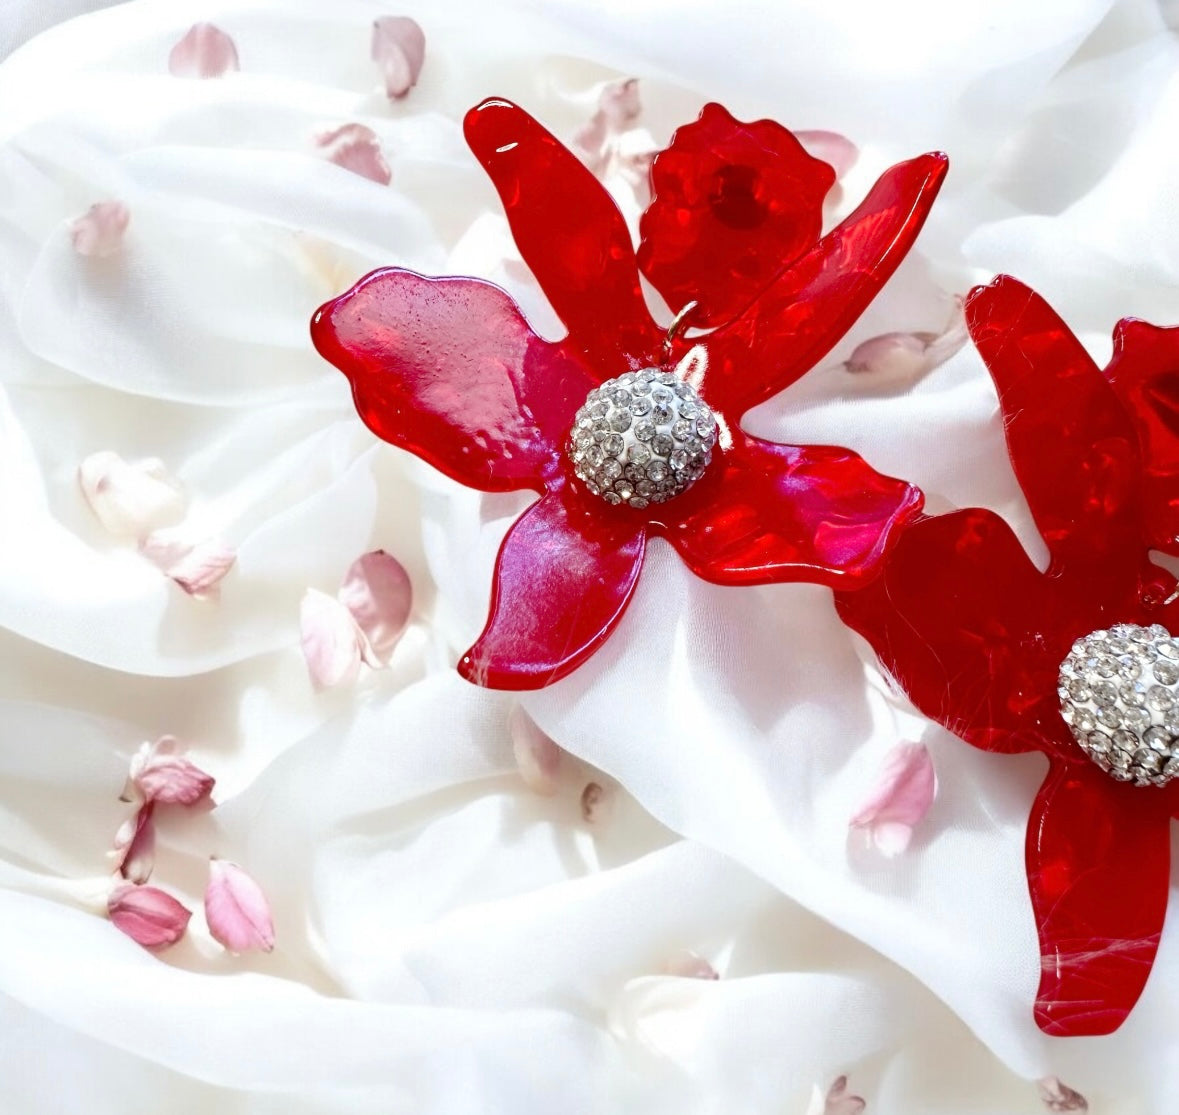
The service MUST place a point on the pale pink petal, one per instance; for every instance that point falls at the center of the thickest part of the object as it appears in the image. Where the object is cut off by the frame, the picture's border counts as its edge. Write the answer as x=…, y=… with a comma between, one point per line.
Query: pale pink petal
x=836, y=1101
x=147, y=915
x=236, y=909
x=620, y=105
x=689, y=965
x=333, y=643
x=163, y=776
x=900, y=358
x=537, y=756
x=591, y=144
x=198, y=568
x=99, y=231
x=597, y=803
x=130, y=499
x=355, y=147
x=834, y=149
x=399, y=48
x=378, y=593
x=205, y=51
x=904, y=791
x=1058, y=1096
x=135, y=845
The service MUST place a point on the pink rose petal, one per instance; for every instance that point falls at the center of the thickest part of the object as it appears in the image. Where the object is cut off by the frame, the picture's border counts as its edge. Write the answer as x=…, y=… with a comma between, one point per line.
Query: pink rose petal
x=834, y=149
x=378, y=593
x=537, y=756
x=597, y=803
x=836, y=1101
x=1058, y=1096
x=99, y=231
x=904, y=791
x=236, y=909
x=333, y=643
x=689, y=965
x=399, y=48
x=135, y=845
x=147, y=915
x=130, y=499
x=900, y=358
x=205, y=51
x=162, y=775
x=619, y=104
x=198, y=568
x=355, y=147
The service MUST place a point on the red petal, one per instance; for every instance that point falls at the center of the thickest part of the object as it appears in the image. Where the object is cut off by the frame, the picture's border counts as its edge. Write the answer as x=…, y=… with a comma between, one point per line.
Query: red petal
x=733, y=204
x=571, y=235
x=795, y=323
x=1098, y=857
x=767, y=512
x=564, y=576
x=450, y=370
x=1073, y=448
x=1144, y=374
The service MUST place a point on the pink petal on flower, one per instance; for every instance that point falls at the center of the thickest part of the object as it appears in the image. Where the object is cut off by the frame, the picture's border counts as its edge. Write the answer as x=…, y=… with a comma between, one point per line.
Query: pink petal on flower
x=1058, y=1096
x=355, y=147
x=378, y=593
x=903, y=794
x=130, y=499
x=689, y=965
x=147, y=915
x=205, y=51
x=99, y=231
x=537, y=756
x=620, y=105
x=135, y=845
x=836, y=150
x=236, y=909
x=161, y=775
x=333, y=642
x=197, y=568
x=399, y=48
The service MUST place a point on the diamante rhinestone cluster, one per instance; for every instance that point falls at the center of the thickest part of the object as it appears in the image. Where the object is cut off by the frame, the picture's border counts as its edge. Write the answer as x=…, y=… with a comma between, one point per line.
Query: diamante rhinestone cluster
x=642, y=438
x=1119, y=693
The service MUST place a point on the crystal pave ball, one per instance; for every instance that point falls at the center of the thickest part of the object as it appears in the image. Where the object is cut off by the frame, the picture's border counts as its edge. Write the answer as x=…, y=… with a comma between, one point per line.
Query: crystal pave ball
x=1119, y=693
x=642, y=438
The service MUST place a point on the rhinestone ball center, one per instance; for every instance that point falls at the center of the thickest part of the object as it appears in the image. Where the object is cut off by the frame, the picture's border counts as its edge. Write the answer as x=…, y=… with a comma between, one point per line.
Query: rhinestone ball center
x=1119, y=695
x=642, y=438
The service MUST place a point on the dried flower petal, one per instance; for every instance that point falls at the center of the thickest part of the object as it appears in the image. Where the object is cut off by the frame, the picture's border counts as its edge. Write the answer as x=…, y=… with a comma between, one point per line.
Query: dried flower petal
x=836, y=1101
x=205, y=51
x=619, y=104
x=99, y=231
x=135, y=845
x=597, y=802
x=689, y=965
x=355, y=147
x=147, y=915
x=399, y=48
x=836, y=150
x=198, y=568
x=162, y=775
x=1058, y=1096
x=378, y=593
x=333, y=643
x=130, y=499
x=903, y=794
x=537, y=756
x=902, y=358
x=236, y=909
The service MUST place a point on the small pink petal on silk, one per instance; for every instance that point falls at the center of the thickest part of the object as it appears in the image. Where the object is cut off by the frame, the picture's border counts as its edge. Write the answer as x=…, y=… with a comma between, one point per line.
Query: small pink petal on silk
x=837, y=1101
x=901, y=358
x=204, y=51
x=99, y=231
x=147, y=915
x=236, y=909
x=619, y=104
x=130, y=500
x=689, y=965
x=537, y=756
x=355, y=147
x=1058, y=1096
x=135, y=845
x=198, y=568
x=163, y=775
x=333, y=643
x=399, y=48
x=597, y=803
x=378, y=593
x=904, y=791
x=836, y=150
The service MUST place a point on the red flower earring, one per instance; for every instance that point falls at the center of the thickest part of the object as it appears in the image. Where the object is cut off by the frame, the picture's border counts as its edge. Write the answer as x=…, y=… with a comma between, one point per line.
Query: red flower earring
x=626, y=427
x=1078, y=662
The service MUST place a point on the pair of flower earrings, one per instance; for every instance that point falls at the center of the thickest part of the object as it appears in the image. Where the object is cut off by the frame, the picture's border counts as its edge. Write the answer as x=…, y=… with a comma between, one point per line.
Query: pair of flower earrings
x=627, y=428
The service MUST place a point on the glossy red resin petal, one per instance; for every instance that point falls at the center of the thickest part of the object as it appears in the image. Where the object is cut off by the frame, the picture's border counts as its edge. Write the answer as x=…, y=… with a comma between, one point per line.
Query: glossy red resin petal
x=733, y=204
x=1098, y=857
x=450, y=370
x=797, y=320
x=1072, y=445
x=564, y=576
x=765, y=512
x=571, y=235
x=1144, y=374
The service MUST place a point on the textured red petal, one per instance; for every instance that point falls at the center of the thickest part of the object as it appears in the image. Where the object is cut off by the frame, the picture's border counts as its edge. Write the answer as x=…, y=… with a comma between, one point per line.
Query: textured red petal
x=798, y=319
x=733, y=204
x=1073, y=448
x=571, y=235
x=564, y=576
x=1144, y=373
x=1098, y=857
x=766, y=512
x=450, y=370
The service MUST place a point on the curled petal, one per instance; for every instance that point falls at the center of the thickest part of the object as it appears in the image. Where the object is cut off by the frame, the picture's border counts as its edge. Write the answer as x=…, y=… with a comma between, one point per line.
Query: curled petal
x=333, y=643
x=537, y=756
x=1058, y=1096
x=734, y=204
x=205, y=51
x=597, y=803
x=619, y=104
x=830, y=147
x=378, y=593
x=837, y=1101
x=355, y=147
x=197, y=568
x=689, y=965
x=148, y=916
x=161, y=775
x=903, y=793
x=135, y=845
x=130, y=499
x=236, y=909
x=99, y=231
x=399, y=48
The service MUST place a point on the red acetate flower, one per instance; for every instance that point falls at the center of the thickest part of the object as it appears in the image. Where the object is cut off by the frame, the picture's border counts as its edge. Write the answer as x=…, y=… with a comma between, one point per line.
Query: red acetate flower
x=976, y=636
x=449, y=369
